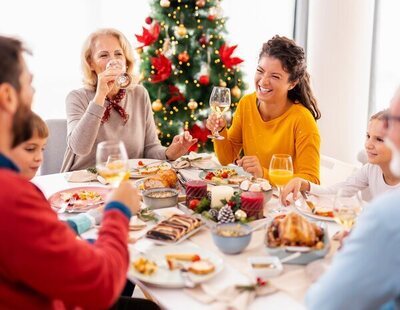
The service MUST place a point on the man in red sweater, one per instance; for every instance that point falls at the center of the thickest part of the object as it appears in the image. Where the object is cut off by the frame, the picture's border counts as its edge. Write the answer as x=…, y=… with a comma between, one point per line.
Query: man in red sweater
x=42, y=263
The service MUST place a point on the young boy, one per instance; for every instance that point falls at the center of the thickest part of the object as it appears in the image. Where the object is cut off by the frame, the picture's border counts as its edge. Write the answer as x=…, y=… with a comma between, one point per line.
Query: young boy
x=28, y=155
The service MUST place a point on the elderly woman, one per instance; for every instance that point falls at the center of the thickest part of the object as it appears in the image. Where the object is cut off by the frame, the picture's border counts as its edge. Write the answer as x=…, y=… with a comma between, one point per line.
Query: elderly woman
x=103, y=111
x=279, y=117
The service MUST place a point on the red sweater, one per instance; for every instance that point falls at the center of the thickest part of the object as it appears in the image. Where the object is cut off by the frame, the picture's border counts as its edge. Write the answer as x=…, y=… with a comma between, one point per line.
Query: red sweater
x=42, y=263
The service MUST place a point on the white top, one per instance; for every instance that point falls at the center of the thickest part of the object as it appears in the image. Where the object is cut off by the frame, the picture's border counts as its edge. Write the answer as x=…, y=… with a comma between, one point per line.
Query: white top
x=368, y=176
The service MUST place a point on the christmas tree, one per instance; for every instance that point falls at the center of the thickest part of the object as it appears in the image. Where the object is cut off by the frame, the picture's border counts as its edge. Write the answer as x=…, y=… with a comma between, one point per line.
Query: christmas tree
x=183, y=55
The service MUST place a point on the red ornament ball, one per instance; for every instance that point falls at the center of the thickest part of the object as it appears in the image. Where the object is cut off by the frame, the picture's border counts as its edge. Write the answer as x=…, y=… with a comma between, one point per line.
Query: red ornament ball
x=148, y=20
x=184, y=56
x=204, y=79
x=203, y=40
x=211, y=17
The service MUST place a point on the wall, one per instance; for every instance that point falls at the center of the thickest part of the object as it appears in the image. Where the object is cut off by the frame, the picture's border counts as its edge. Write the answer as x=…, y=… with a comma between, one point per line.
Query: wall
x=339, y=57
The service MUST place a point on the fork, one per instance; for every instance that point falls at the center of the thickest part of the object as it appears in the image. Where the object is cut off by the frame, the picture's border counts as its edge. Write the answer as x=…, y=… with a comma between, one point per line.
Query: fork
x=69, y=203
x=187, y=281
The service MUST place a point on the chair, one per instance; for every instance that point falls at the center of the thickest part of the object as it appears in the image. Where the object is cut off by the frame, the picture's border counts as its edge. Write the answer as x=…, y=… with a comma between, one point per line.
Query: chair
x=333, y=171
x=56, y=145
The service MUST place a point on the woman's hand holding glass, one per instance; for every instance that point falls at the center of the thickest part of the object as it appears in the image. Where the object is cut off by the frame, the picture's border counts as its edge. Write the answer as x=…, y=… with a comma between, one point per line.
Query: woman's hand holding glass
x=112, y=162
x=220, y=102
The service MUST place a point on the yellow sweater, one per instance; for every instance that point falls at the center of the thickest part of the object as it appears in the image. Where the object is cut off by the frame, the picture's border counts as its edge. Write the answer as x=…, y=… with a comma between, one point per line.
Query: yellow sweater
x=295, y=133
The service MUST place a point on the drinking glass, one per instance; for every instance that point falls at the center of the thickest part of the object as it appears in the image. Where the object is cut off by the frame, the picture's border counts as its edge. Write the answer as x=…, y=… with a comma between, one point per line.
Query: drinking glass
x=123, y=80
x=346, y=208
x=280, y=173
x=220, y=102
x=112, y=162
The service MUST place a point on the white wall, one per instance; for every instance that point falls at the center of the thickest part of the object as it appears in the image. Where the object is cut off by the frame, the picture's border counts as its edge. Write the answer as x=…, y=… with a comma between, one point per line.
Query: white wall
x=56, y=30
x=339, y=56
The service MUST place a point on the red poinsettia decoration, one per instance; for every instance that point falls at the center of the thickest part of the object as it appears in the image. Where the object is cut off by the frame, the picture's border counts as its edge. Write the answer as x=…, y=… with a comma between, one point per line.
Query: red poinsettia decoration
x=176, y=95
x=162, y=66
x=225, y=53
x=150, y=35
x=199, y=132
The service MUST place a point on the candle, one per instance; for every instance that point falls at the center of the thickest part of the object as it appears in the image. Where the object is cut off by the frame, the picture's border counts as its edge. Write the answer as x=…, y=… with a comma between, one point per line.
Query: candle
x=195, y=189
x=219, y=193
x=252, y=204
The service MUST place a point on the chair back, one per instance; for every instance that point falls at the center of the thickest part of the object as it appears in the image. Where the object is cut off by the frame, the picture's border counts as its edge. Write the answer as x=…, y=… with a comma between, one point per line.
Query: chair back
x=56, y=145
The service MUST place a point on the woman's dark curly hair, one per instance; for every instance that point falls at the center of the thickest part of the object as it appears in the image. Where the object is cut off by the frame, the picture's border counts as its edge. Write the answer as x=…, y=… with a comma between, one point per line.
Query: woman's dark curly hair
x=293, y=61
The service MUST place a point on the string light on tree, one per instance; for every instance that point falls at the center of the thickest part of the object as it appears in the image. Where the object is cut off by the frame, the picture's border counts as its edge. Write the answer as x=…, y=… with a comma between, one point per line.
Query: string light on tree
x=165, y=3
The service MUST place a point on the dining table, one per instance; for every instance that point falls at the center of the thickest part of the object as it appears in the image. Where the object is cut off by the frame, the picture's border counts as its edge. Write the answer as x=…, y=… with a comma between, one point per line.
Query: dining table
x=287, y=294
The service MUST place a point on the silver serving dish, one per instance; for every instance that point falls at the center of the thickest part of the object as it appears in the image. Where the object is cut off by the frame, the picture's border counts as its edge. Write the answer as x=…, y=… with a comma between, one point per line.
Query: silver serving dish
x=158, y=198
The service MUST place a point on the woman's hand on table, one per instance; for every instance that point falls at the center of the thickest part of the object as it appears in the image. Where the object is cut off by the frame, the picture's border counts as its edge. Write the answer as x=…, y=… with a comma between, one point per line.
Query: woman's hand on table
x=251, y=164
x=127, y=194
x=215, y=123
x=180, y=145
x=294, y=186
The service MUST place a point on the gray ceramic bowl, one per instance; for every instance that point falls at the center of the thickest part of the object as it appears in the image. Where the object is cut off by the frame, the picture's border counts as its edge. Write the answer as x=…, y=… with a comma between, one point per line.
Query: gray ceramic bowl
x=158, y=198
x=231, y=244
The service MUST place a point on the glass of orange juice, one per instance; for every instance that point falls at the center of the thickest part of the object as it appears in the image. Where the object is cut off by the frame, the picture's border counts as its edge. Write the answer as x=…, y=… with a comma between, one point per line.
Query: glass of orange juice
x=280, y=172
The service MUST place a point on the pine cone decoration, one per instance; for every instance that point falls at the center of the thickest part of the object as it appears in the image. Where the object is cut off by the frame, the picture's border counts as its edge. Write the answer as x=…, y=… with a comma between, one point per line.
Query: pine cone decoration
x=226, y=215
x=214, y=213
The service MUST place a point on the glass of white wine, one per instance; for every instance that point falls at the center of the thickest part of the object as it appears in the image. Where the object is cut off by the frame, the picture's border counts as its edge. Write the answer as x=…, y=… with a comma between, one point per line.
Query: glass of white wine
x=220, y=102
x=280, y=173
x=346, y=208
x=123, y=80
x=112, y=162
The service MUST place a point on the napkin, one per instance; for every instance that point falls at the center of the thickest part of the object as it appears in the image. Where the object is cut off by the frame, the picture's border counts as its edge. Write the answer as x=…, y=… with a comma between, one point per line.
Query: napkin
x=229, y=297
x=81, y=176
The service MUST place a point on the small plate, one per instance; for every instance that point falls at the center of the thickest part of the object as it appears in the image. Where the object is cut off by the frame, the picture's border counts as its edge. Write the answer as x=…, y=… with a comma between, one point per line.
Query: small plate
x=56, y=200
x=134, y=167
x=239, y=170
x=164, y=277
x=319, y=201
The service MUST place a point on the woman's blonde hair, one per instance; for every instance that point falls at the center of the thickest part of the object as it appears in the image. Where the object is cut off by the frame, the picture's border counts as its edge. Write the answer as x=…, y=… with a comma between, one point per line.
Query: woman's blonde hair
x=89, y=76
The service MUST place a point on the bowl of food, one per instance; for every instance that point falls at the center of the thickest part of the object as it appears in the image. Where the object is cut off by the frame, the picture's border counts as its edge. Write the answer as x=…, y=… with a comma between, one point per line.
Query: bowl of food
x=291, y=233
x=265, y=266
x=231, y=238
x=158, y=198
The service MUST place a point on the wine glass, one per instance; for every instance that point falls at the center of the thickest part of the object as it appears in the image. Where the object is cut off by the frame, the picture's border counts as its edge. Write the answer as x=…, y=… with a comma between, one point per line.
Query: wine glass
x=346, y=208
x=123, y=80
x=220, y=102
x=280, y=173
x=112, y=161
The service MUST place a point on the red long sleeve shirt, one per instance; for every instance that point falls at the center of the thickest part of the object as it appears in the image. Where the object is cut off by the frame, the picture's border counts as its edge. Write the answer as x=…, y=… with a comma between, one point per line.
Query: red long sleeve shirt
x=42, y=263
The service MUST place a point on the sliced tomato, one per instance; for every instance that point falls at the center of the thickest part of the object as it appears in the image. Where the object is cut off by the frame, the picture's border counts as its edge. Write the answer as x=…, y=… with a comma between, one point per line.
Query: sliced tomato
x=209, y=176
x=140, y=163
x=224, y=175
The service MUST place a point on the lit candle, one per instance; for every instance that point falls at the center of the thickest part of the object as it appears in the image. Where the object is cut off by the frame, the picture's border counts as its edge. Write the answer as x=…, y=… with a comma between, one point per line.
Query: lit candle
x=219, y=193
x=252, y=204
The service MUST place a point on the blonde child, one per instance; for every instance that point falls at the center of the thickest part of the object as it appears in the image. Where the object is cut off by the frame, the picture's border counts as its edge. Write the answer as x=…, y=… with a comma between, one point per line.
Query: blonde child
x=375, y=175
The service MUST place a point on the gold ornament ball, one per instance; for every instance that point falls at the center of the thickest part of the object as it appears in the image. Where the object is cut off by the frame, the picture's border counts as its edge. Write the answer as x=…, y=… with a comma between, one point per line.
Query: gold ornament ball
x=236, y=92
x=222, y=83
x=156, y=105
x=181, y=31
x=139, y=50
x=165, y=3
x=192, y=105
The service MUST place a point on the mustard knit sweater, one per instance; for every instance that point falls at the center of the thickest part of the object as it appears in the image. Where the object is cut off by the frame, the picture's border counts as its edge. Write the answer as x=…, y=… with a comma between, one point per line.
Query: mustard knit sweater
x=295, y=133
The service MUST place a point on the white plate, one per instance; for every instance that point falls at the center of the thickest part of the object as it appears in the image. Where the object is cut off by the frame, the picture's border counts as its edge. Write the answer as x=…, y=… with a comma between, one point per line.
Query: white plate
x=239, y=170
x=133, y=165
x=164, y=277
x=304, y=209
